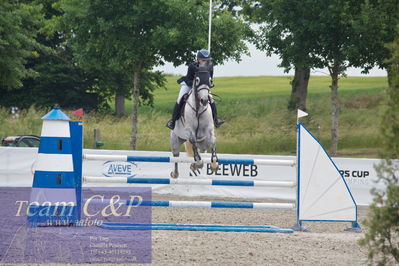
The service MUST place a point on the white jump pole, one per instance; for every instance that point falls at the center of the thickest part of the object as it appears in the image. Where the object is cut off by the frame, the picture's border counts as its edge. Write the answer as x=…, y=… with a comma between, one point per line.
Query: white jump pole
x=197, y=204
x=188, y=181
x=168, y=159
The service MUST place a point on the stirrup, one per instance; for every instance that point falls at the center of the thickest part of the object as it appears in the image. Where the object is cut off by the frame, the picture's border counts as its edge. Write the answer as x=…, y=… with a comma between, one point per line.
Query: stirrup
x=170, y=124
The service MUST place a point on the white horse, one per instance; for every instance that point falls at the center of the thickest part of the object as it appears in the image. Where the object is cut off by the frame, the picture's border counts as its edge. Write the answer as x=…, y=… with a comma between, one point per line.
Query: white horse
x=195, y=127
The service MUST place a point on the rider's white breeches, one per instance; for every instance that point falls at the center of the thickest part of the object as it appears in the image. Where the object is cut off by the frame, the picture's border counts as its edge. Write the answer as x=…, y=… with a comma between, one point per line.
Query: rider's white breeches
x=185, y=89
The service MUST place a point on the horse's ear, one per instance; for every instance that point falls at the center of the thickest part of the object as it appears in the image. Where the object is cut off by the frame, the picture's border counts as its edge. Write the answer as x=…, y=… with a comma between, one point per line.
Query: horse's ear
x=196, y=81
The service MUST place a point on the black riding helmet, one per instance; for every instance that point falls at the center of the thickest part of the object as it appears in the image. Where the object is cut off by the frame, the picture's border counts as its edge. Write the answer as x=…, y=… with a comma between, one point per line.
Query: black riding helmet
x=204, y=55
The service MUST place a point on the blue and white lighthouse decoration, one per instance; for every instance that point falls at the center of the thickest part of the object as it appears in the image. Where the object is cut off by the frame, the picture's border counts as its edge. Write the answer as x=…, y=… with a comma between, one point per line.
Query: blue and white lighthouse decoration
x=56, y=191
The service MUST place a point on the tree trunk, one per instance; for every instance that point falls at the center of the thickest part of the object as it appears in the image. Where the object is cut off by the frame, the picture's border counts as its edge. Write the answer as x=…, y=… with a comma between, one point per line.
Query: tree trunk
x=390, y=120
x=390, y=74
x=334, y=72
x=119, y=103
x=299, y=89
x=135, y=110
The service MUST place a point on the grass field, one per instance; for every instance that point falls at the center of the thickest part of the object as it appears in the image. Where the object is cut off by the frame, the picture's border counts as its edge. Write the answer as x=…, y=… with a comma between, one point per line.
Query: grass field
x=257, y=120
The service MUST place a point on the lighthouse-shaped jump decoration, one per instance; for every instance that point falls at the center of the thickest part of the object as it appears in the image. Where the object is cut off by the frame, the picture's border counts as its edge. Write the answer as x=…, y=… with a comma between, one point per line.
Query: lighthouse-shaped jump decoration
x=56, y=190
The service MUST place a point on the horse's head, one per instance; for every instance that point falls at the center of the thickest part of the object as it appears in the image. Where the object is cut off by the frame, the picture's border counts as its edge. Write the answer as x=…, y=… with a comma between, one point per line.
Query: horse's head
x=202, y=83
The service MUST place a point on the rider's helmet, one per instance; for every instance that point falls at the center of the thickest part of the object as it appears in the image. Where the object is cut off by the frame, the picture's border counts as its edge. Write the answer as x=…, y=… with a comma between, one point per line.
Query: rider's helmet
x=204, y=55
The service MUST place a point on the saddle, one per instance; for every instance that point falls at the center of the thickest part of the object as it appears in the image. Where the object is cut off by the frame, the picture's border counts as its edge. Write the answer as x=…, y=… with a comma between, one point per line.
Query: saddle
x=182, y=104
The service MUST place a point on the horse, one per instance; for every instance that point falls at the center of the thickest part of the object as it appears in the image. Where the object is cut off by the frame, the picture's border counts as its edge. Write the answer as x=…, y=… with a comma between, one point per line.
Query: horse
x=195, y=127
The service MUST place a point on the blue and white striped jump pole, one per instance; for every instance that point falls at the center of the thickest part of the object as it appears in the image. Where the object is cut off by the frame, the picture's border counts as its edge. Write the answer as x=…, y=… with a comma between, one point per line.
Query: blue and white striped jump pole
x=195, y=227
x=192, y=225
x=189, y=181
x=167, y=159
x=196, y=204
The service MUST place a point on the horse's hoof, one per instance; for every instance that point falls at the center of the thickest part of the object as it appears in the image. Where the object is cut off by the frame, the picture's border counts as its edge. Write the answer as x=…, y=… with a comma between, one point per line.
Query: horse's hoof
x=214, y=167
x=199, y=164
x=174, y=175
x=193, y=167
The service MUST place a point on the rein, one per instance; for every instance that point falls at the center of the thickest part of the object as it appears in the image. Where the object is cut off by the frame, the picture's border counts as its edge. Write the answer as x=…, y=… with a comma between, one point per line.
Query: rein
x=197, y=87
x=197, y=103
x=197, y=106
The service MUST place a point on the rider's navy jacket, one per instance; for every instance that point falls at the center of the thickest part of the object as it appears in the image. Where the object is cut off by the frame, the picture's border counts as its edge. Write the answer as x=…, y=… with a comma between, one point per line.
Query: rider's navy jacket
x=192, y=68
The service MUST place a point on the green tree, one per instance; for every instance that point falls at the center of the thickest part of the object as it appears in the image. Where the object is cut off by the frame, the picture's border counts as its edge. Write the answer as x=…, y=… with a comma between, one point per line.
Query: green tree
x=89, y=85
x=62, y=83
x=280, y=33
x=376, y=27
x=383, y=220
x=57, y=80
x=19, y=24
x=133, y=37
x=315, y=34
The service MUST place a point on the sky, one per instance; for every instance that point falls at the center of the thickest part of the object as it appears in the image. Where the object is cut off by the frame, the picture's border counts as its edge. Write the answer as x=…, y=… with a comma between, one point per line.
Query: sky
x=258, y=64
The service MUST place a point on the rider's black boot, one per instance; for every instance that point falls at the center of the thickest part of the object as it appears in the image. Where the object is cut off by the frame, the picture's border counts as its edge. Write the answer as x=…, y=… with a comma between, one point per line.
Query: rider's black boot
x=218, y=122
x=175, y=116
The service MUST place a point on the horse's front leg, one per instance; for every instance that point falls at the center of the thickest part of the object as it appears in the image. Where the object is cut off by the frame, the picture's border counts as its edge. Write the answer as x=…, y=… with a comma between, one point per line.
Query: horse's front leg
x=175, y=172
x=197, y=157
x=214, y=160
x=214, y=157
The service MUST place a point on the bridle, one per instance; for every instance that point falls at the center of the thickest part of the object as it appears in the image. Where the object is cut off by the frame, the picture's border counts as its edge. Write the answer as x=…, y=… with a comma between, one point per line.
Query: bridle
x=196, y=89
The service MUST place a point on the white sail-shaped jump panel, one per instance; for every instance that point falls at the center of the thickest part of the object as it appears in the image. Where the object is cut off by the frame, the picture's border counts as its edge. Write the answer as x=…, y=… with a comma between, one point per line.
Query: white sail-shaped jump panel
x=323, y=194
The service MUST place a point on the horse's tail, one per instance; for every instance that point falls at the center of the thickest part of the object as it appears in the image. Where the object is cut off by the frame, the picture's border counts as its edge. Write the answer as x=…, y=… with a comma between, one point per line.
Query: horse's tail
x=189, y=148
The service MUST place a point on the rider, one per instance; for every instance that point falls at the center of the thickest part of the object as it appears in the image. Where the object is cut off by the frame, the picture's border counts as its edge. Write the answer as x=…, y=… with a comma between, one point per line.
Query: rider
x=203, y=56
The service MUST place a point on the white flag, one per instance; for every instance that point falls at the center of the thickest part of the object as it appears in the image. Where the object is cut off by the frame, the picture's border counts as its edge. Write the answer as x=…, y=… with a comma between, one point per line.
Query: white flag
x=301, y=113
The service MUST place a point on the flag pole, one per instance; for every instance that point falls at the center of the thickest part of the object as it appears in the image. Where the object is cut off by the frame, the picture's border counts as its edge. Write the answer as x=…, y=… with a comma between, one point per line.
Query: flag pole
x=298, y=224
x=210, y=25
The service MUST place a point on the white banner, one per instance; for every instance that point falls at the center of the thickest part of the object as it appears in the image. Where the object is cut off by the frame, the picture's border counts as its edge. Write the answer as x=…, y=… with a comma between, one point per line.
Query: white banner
x=16, y=166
